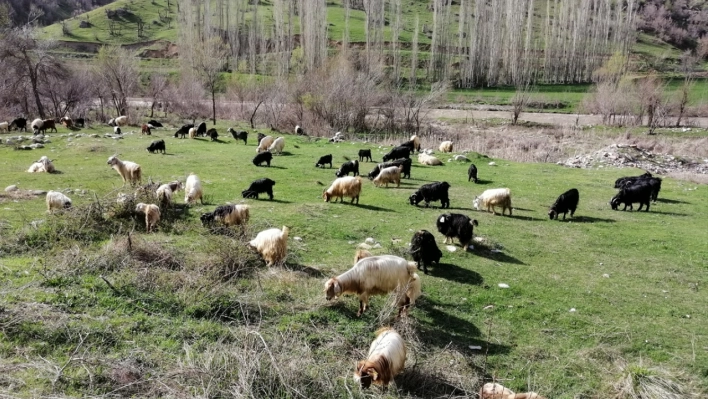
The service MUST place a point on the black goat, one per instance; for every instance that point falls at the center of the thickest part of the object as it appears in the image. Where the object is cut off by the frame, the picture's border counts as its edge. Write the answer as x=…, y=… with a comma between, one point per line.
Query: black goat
x=326, y=159
x=397, y=153
x=156, y=146
x=646, y=178
x=261, y=136
x=19, y=124
x=568, y=201
x=264, y=185
x=240, y=135
x=202, y=129
x=424, y=250
x=472, y=173
x=184, y=130
x=436, y=191
x=640, y=192
x=348, y=167
x=212, y=134
x=365, y=154
x=80, y=122
x=408, y=144
x=629, y=180
x=405, y=162
x=265, y=156
x=154, y=123
x=453, y=225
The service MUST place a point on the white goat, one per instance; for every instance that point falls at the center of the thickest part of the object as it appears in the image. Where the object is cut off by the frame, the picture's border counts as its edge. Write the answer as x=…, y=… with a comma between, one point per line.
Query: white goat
x=56, y=200
x=416, y=142
x=446, y=146
x=386, y=358
x=377, y=275
x=152, y=214
x=494, y=197
x=129, y=171
x=272, y=244
x=37, y=125
x=346, y=186
x=392, y=174
x=193, y=190
x=277, y=146
x=426, y=159
x=265, y=144
x=4, y=126
x=44, y=164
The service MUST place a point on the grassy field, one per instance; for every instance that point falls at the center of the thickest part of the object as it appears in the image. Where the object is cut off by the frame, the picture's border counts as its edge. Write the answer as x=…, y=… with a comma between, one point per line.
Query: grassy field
x=589, y=300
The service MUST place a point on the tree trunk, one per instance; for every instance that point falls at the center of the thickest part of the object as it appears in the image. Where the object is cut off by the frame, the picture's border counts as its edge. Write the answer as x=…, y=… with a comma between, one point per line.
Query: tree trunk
x=213, y=105
x=253, y=115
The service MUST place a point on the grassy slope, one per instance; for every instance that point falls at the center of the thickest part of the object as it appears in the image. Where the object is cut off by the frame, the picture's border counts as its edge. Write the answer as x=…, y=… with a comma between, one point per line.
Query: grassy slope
x=649, y=310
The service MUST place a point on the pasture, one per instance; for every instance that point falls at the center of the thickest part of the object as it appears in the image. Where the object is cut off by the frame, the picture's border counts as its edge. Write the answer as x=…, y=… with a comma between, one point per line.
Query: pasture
x=588, y=298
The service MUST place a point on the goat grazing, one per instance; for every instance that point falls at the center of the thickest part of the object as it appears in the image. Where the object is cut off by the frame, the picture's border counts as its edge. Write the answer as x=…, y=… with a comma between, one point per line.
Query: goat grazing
x=154, y=124
x=277, y=146
x=213, y=134
x=271, y=244
x=193, y=190
x=472, y=173
x=56, y=200
x=405, y=172
x=156, y=146
x=348, y=167
x=424, y=250
x=436, y=191
x=365, y=154
x=48, y=124
x=119, y=121
x=66, y=121
x=386, y=358
x=152, y=214
x=492, y=198
x=37, y=126
x=260, y=137
x=325, y=159
x=361, y=254
x=425, y=159
x=18, y=124
x=299, y=131
x=116, y=130
x=165, y=191
x=397, y=153
x=389, y=175
x=145, y=129
x=453, y=225
x=263, y=157
x=346, y=186
x=239, y=135
x=377, y=275
x=568, y=201
x=640, y=192
x=43, y=165
x=192, y=133
x=629, y=180
x=228, y=215
x=446, y=146
x=183, y=131
x=264, y=144
x=259, y=186
x=129, y=171
x=201, y=129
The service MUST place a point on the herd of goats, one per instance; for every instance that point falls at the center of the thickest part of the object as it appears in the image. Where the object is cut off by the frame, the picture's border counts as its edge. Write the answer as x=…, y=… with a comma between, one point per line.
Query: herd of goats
x=371, y=275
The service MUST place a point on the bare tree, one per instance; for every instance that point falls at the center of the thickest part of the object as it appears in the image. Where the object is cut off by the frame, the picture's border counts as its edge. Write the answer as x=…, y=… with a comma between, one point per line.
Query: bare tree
x=156, y=89
x=118, y=70
x=211, y=58
x=30, y=62
x=519, y=101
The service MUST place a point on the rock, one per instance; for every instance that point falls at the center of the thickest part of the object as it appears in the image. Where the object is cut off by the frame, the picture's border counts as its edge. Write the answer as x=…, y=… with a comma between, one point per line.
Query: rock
x=36, y=145
x=503, y=285
x=297, y=238
x=364, y=246
x=461, y=158
x=492, y=163
x=11, y=188
x=370, y=241
x=451, y=248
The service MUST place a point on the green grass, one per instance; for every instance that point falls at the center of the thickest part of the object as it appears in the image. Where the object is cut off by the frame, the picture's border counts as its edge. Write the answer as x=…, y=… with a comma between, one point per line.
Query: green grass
x=650, y=309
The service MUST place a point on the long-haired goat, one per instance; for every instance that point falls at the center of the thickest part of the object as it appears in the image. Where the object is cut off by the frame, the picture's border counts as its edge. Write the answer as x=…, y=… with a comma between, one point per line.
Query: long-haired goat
x=56, y=200
x=386, y=358
x=424, y=250
x=568, y=201
x=425, y=159
x=263, y=185
x=264, y=144
x=446, y=146
x=377, y=275
x=228, y=215
x=44, y=164
x=277, y=146
x=152, y=214
x=272, y=244
x=453, y=225
x=492, y=198
x=129, y=171
x=193, y=190
x=346, y=186
x=472, y=173
x=361, y=254
x=389, y=175
x=405, y=163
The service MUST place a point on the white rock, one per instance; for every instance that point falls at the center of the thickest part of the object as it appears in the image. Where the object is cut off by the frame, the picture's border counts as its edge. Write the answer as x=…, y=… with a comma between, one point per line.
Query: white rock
x=461, y=158
x=492, y=163
x=475, y=347
x=364, y=246
x=572, y=310
x=370, y=240
x=606, y=275
x=478, y=239
x=451, y=248
x=11, y=188
x=503, y=285
x=488, y=307
x=350, y=242
x=297, y=238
